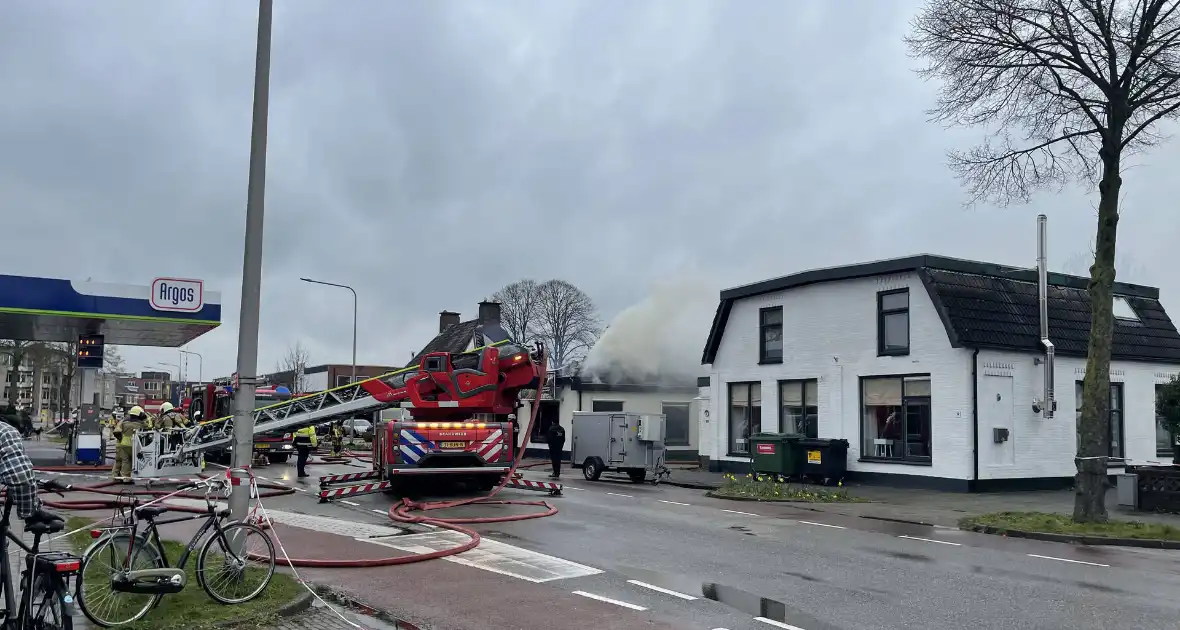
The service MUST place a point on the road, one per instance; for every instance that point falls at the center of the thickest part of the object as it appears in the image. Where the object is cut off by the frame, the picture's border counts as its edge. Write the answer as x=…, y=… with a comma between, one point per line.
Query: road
x=645, y=556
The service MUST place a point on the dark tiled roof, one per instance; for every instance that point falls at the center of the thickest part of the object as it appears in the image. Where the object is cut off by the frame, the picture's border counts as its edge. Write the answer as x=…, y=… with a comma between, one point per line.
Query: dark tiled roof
x=457, y=337
x=994, y=306
x=992, y=312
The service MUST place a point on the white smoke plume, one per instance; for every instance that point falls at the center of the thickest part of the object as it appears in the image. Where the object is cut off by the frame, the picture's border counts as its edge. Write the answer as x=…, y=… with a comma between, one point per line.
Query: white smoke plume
x=660, y=339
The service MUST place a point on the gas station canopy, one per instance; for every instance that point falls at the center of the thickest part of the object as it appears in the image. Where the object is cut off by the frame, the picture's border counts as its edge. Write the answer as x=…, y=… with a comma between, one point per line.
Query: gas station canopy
x=169, y=313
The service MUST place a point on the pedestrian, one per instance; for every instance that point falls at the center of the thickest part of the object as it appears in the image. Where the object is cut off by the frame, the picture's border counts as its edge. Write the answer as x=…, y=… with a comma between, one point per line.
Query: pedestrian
x=124, y=433
x=305, y=440
x=555, y=436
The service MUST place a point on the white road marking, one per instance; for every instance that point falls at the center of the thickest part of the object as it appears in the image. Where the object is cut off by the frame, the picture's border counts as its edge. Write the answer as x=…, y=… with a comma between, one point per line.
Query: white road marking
x=823, y=525
x=1093, y=564
x=565, y=487
x=661, y=590
x=671, y=502
x=349, y=503
x=777, y=624
x=621, y=495
x=737, y=512
x=609, y=600
x=491, y=555
x=380, y=511
x=940, y=542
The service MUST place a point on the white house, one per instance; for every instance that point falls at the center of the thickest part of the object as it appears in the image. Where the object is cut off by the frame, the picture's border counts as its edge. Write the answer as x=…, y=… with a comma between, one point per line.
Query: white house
x=565, y=395
x=929, y=367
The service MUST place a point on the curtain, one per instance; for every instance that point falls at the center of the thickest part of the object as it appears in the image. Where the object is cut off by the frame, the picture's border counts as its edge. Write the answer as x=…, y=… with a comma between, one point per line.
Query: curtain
x=880, y=392
x=917, y=386
x=792, y=394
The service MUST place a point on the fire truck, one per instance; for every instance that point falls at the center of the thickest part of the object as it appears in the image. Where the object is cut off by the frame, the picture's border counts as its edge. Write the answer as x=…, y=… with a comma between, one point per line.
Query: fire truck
x=215, y=400
x=454, y=419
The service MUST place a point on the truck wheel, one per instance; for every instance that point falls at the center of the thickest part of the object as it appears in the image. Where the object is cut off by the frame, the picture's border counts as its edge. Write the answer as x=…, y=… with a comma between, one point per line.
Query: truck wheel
x=637, y=475
x=591, y=469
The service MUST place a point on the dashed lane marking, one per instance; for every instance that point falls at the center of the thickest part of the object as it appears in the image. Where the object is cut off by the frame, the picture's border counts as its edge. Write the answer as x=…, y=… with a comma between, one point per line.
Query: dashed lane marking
x=822, y=525
x=349, y=503
x=1093, y=564
x=491, y=555
x=660, y=589
x=609, y=600
x=616, y=494
x=737, y=512
x=777, y=624
x=671, y=502
x=939, y=542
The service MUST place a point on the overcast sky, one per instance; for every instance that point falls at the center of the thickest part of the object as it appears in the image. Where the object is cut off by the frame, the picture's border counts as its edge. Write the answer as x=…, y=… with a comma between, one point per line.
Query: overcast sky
x=429, y=152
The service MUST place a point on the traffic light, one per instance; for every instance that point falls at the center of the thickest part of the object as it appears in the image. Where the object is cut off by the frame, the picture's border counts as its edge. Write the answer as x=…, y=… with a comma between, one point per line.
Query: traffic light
x=90, y=351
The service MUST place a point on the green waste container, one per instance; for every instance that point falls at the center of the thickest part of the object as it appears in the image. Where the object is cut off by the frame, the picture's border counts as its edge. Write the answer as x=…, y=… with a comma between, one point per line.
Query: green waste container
x=775, y=453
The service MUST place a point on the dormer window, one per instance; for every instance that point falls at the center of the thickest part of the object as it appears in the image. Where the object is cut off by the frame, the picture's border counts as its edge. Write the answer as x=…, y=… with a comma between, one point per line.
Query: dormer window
x=1123, y=310
x=770, y=335
x=893, y=322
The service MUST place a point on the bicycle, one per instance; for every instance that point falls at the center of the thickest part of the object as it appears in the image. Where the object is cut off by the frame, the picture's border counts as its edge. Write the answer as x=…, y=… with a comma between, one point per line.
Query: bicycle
x=127, y=544
x=46, y=576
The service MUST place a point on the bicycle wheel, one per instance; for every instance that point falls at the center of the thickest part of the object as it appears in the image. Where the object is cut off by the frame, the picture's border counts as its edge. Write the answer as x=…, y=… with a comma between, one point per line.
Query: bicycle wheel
x=101, y=561
x=46, y=607
x=228, y=581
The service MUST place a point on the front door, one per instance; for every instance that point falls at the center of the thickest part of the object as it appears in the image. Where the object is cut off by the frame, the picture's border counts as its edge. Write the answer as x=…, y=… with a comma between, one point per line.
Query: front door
x=618, y=438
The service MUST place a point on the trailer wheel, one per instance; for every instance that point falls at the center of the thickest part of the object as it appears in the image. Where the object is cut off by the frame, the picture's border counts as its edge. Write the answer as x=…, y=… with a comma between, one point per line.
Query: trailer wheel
x=637, y=475
x=591, y=469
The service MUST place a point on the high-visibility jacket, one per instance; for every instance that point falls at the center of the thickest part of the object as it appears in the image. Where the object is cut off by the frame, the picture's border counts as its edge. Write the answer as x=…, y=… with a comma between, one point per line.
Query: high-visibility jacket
x=172, y=420
x=127, y=430
x=306, y=435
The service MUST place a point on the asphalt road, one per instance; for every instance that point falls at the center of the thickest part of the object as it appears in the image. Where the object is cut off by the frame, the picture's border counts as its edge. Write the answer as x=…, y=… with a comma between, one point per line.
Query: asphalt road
x=671, y=555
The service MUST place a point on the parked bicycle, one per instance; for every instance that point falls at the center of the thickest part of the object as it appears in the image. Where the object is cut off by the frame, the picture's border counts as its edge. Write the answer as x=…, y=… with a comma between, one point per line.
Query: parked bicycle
x=46, y=602
x=127, y=567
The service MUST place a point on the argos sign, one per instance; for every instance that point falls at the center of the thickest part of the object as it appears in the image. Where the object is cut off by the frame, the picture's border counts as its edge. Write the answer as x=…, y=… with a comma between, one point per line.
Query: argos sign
x=178, y=295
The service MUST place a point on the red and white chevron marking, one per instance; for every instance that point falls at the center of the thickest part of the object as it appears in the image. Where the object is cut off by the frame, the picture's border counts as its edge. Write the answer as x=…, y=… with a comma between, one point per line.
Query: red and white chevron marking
x=491, y=446
x=357, y=476
x=529, y=484
x=365, y=488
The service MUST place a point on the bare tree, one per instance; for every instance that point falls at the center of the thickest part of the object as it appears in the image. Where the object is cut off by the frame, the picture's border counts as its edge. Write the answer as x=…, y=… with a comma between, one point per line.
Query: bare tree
x=295, y=361
x=520, y=309
x=567, y=321
x=1082, y=83
x=1128, y=267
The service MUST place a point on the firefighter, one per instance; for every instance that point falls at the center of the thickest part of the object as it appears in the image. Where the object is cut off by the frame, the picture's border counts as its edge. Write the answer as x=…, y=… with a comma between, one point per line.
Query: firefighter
x=171, y=423
x=337, y=437
x=555, y=436
x=124, y=433
x=305, y=440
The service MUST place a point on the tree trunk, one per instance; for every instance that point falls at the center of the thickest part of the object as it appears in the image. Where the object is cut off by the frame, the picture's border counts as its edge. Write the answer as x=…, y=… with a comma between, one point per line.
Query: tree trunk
x=1094, y=422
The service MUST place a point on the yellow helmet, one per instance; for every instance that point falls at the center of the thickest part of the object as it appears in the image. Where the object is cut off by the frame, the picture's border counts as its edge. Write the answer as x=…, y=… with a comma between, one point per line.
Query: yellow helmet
x=165, y=408
x=135, y=412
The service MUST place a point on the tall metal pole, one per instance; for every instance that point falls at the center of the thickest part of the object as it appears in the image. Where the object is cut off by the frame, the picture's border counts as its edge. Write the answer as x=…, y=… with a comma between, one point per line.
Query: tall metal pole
x=239, y=499
x=344, y=286
x=200, y=364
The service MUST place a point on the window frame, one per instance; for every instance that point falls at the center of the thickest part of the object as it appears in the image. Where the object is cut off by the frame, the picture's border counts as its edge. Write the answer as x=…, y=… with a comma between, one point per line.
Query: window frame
x=905, y=459
x=763, y=357
x=664, y=404
x=1169, y=450
x=346, y=379
x=1122, y=388
x=729, y=438
x=594, y=403
x=782, y=416
x=882, y=313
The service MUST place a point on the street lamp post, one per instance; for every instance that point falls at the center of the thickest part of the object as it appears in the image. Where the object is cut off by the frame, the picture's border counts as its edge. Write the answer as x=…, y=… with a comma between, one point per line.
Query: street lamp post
x=344, y=286
x=200, y=364
x=239, y=501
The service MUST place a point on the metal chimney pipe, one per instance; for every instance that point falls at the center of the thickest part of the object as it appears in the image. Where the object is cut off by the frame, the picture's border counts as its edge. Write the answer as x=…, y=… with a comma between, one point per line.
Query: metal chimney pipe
x=1048, y=404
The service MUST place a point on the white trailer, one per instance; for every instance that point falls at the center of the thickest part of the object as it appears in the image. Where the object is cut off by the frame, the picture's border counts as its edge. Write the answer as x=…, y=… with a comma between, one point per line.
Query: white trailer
x=631, y=443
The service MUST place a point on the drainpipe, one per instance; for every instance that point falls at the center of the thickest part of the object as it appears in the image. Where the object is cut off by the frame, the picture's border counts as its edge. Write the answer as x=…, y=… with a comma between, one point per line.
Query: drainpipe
x=975, y=420
x=1048, y=404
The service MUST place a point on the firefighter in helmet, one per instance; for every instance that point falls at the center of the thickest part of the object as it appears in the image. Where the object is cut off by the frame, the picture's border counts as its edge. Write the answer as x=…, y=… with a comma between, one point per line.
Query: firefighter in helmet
x=124, y=434
x=337, y=437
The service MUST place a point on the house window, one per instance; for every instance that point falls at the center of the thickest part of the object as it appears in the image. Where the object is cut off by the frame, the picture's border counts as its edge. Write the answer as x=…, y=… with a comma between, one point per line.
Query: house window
x=1164, y=441
x=799, y=407
x=893, y=322
x=745, y=415
x=610, y=406
x=1121, y=309
x=344, y=379
x=1114, y=440
x=770, y=335
x=151, y=386
x=676, y=424
x=895, y=425
x=548, y=414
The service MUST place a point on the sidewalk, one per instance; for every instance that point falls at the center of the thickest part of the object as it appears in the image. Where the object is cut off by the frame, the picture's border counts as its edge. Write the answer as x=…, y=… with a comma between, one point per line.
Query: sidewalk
x=933, y=507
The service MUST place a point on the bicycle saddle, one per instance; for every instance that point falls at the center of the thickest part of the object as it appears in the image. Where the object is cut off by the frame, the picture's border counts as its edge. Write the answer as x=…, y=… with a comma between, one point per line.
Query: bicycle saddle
x=42, y=522
x=151, y=511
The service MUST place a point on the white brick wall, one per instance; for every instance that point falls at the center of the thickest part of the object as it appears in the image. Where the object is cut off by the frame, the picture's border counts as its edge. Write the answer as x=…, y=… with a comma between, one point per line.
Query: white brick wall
x=1040, y=447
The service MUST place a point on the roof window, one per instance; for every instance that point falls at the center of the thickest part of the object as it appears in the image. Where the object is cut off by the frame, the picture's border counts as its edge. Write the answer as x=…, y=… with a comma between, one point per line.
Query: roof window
x=1123, y=310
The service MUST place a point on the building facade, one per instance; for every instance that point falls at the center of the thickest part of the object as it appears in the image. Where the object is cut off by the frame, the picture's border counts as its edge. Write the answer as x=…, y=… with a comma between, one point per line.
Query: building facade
x=929, y=367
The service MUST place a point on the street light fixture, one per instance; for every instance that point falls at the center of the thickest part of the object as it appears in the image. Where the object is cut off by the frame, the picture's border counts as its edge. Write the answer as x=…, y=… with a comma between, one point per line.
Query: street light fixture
x=344, y=286
x=200, y=364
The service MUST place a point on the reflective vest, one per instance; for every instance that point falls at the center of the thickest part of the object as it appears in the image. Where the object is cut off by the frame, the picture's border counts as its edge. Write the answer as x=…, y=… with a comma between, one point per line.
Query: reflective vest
x=127, y=430
x=305, y=436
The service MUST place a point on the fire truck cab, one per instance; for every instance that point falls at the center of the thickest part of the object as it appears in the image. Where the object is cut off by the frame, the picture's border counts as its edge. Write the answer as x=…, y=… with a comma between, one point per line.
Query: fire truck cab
x=215, y=400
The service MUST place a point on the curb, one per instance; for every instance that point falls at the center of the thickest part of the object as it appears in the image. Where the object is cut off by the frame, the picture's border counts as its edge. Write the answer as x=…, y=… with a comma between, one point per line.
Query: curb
x=802, y=505
x=690, y=485
x=903, y=521
x=290, y=609
x=1146, y=543
x=344, y=600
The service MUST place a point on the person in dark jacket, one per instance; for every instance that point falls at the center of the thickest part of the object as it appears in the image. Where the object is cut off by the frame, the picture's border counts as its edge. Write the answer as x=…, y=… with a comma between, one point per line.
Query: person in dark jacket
x=555, y=437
